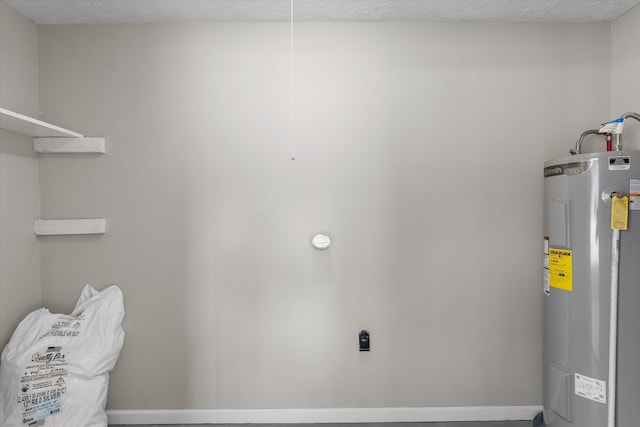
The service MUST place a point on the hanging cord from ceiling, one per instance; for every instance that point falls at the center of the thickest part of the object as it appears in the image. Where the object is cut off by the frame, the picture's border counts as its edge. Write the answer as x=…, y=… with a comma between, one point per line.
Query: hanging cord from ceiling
x=292, y=89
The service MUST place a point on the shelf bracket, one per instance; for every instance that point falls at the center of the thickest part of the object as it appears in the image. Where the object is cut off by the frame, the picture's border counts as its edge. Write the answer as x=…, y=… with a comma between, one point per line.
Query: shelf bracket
x=57, y=145
x=62, y=227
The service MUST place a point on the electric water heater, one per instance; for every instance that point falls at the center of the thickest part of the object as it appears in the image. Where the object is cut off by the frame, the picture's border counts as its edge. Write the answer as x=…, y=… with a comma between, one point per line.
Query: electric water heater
x=591, y=288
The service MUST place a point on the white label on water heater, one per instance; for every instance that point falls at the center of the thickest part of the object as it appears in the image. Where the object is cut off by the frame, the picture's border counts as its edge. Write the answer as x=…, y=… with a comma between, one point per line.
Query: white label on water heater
x=634, y=194
x=619, y=163
x=590, y=388
x=546, y=275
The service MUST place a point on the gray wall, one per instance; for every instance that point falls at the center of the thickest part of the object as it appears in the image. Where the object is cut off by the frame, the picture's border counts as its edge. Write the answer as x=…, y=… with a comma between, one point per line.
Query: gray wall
x=20, y=290
x=626, y=73
x=418, y=147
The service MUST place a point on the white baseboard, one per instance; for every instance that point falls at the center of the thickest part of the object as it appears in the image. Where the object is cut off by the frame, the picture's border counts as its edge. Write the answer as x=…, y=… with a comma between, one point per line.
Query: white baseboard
x=317, y=416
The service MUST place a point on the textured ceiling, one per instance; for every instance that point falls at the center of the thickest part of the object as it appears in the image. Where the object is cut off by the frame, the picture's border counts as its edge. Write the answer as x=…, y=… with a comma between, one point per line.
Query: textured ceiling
x=141, y=11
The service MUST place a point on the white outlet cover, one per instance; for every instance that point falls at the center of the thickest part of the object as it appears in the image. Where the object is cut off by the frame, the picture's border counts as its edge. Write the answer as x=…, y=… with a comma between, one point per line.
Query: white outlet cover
x=321, y=242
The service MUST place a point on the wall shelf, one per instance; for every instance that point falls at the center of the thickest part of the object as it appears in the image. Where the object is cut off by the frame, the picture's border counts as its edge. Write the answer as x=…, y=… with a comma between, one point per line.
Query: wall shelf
x=66, y=227
x=25, y=125
x=48, y=138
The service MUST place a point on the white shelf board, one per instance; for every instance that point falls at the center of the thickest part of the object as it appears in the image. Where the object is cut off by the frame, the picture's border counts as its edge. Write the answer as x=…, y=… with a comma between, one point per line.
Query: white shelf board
x=25, y=125
x=62, y=227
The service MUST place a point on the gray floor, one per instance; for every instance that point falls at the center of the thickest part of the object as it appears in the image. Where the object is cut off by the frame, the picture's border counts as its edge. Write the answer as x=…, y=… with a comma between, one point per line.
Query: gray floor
x=449, y=424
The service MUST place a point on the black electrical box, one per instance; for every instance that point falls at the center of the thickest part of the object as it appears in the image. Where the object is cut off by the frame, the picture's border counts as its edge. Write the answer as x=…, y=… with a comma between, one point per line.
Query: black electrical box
x=364, y=341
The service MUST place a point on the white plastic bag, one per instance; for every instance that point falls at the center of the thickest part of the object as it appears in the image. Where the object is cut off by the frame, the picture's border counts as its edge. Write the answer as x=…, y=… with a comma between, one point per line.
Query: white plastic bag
x=54, y=371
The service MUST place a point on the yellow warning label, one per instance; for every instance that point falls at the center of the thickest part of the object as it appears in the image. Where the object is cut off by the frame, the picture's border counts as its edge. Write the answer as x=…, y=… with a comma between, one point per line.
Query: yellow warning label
x=561, y=268
x=619, y=212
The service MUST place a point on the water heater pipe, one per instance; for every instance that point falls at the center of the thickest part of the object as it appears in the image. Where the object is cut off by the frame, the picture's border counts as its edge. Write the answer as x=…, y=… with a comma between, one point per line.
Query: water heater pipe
x=631, y=115
x=578, y=148
x=613, y=328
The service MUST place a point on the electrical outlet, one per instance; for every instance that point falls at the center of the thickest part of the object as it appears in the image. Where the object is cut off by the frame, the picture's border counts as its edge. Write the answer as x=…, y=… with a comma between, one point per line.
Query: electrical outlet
x=364, y=340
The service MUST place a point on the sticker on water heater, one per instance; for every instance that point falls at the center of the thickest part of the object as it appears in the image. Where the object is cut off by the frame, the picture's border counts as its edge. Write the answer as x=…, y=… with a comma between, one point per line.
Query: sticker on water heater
x=561, y=269
x=591, y=388
x=619, y=212
x=619, y=163
x=634, y=194
x=546, y=286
